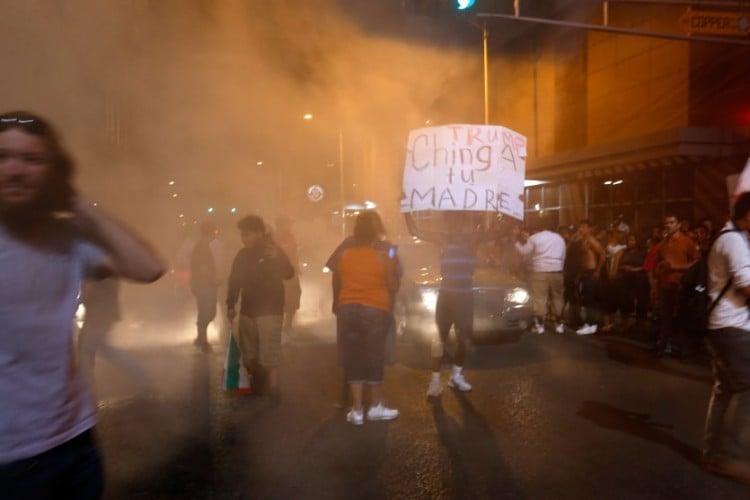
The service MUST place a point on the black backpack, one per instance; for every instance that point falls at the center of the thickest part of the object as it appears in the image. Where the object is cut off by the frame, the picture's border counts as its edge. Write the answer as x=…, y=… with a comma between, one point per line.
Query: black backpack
x=694, y=304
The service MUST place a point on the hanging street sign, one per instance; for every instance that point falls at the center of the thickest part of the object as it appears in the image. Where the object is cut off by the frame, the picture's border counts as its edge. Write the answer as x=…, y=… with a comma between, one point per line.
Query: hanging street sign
x=315, y=193
x=700, y=22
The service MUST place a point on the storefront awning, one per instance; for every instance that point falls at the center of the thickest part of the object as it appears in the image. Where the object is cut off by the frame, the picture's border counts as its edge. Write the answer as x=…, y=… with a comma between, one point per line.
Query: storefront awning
x=681, y=146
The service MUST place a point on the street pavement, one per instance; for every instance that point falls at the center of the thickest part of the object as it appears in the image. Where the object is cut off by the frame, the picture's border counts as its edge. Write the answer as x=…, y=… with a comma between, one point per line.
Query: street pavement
x=550, y=416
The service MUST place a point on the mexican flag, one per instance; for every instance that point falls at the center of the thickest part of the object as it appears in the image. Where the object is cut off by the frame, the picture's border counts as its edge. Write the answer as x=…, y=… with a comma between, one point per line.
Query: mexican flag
x=235, y=377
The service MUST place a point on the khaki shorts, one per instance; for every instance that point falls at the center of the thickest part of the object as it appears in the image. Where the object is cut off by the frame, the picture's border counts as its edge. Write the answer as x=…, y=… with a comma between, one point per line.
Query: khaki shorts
x=260, y=340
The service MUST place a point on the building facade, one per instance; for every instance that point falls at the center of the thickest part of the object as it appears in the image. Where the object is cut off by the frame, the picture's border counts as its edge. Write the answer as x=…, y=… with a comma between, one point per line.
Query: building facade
x=636, y=125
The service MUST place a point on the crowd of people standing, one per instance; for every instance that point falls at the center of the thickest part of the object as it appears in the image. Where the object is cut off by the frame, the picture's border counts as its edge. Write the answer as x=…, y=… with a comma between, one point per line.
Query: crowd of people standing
x=598, y=280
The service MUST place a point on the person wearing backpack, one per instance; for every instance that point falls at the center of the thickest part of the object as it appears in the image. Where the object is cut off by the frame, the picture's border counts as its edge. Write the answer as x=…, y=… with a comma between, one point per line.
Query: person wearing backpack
x=726, y=448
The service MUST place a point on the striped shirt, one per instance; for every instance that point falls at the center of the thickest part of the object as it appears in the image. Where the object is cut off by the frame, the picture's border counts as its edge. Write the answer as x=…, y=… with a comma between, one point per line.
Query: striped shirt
x=457, y=263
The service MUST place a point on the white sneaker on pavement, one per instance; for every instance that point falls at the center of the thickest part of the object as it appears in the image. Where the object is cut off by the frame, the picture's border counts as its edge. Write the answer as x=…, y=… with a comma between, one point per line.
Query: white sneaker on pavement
x=538, y=329
x=459, y=382
x=381, y=412
x=586, y=329
x=560, y=328
x=435, y=388
x=355, y=417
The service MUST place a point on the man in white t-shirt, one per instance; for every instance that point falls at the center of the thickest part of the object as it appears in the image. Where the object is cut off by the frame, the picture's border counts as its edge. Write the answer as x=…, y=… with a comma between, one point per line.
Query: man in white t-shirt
x=47, y=449
x=726, y=449
x=546, y=251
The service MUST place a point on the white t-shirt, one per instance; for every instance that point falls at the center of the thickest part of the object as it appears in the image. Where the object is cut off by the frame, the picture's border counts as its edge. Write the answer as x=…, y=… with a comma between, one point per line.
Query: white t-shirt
x=546, y=249
x=729, y=256
x=44, y=400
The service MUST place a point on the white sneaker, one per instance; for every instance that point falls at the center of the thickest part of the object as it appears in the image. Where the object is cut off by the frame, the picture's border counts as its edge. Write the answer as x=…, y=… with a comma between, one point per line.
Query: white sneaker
x=381, y=412
x=538, y=329
x=355, y=417
x=435, y=388
x=459, y=382
x=560, y=328
x=586, y=329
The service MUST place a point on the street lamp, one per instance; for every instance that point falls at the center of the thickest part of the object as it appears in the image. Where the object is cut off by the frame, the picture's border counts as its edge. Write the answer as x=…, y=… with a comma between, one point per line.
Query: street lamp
x=309, y=117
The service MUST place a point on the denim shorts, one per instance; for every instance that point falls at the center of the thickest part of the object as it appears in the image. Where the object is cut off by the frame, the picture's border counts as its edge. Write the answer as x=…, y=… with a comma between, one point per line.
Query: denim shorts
x=362, y=332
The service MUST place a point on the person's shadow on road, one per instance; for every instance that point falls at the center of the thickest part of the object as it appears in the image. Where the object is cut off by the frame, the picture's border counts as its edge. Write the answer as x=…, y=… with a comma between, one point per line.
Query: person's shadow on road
x=636, y=424
x=635, y=356
x=477, y=465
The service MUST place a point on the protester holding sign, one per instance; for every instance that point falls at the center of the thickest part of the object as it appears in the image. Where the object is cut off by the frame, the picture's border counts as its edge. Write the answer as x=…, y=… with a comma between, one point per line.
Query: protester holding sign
x=456, y=169
x=455, y=303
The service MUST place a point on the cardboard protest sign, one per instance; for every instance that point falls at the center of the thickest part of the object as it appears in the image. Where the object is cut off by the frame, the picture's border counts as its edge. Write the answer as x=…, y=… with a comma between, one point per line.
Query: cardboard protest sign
x=465, y=167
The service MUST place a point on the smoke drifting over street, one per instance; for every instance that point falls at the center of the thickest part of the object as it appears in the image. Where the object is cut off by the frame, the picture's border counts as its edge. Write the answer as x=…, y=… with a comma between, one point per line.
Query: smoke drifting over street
x=178, y=110
x=201, y=92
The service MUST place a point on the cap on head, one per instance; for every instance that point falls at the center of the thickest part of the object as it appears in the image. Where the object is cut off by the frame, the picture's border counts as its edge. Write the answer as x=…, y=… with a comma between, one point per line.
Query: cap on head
x=252, y=223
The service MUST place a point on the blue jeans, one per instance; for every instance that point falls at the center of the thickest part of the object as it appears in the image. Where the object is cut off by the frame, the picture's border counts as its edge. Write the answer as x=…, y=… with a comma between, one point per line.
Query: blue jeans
x=72, y=470
x=727, y=430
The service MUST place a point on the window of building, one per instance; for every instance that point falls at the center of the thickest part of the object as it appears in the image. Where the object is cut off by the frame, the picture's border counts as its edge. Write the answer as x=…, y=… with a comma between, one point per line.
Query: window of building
x=648, y=186
x=600, y=193
x=550, y=196
x=678, y=183
x=622, y=190
x=648, y=215
x=534, y=198
x=642, y=198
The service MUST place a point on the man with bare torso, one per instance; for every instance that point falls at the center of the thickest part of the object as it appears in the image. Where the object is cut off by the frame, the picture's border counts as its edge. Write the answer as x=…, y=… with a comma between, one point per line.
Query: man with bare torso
x=592, y=257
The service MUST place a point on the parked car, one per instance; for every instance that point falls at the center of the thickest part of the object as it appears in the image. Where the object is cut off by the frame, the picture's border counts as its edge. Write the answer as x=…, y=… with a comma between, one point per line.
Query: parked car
x=501, y=302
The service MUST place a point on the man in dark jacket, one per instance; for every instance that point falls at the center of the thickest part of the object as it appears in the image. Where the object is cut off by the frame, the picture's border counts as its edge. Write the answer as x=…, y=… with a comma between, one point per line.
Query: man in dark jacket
x=258, y=272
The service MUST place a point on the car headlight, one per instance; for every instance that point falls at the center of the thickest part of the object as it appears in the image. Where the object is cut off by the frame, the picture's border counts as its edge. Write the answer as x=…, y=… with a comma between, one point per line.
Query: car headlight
x=518, y=296
x=429, y=297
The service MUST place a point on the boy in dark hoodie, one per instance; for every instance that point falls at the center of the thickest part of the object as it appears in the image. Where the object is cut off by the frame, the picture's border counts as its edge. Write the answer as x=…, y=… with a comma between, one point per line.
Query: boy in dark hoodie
x=257, y=275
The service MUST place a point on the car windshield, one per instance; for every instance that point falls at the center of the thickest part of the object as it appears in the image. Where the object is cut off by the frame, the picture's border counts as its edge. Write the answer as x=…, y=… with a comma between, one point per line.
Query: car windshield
x=425, y=256
x=419, y=255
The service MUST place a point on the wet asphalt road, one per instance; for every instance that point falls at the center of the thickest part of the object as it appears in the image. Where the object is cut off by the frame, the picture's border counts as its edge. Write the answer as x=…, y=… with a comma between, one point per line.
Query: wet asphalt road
x=549, y=417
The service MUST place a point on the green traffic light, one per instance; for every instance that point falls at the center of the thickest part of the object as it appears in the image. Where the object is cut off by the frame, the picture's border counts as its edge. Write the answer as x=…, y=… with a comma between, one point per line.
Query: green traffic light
x=464, y=4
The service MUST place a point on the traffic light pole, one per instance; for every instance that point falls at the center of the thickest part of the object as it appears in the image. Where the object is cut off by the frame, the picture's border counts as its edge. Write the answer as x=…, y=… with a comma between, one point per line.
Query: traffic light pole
x=485, y=36
x=342, y=201
x=610, y=29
